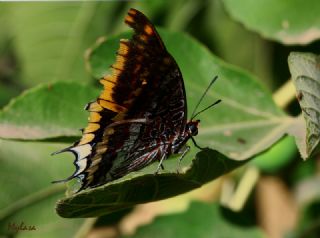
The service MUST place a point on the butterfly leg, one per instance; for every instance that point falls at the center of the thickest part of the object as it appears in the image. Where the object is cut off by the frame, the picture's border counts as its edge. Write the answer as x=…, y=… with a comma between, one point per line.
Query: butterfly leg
x=195, y=144
x=183, y=154
x=160, y=163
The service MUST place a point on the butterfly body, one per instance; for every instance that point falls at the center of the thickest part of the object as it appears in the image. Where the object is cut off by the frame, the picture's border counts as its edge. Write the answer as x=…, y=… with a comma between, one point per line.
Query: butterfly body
x=140, y=116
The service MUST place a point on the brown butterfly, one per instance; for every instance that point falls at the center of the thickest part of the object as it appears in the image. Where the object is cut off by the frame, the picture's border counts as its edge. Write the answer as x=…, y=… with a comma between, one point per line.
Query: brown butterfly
x=140, y=116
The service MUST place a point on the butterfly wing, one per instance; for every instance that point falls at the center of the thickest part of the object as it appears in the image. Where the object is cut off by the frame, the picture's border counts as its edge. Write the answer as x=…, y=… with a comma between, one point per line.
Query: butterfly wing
x=144, y=92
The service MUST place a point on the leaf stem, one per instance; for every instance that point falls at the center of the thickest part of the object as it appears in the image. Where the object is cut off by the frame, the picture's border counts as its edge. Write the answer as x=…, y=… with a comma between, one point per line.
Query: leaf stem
x=248, y=181
x=86, y=227
x=31, y=199
x=285, y=94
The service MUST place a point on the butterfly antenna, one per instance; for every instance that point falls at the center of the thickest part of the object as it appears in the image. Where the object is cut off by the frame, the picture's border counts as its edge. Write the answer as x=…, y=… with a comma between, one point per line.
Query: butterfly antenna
x=204, y=94
x=215, y=103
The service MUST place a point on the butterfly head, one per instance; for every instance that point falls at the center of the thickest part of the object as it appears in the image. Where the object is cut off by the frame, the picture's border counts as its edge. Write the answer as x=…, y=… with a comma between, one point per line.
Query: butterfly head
x=192, y=127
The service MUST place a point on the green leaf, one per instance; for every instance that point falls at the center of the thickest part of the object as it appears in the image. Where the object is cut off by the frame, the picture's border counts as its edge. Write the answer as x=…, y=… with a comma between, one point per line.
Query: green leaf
x=200, y=220
x=52, y=48
x=6, y=93
x=140, y=187
x=289, y=22
x=27, y=195
x=277, y=156
x=47, y=111
x=305, y=71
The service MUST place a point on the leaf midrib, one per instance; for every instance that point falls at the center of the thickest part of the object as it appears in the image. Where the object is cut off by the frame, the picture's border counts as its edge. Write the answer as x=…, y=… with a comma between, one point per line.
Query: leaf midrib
x=245, y=124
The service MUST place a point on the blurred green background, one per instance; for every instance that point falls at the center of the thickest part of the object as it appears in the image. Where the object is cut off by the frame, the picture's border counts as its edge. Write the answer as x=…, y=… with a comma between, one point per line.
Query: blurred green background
x=42, y=42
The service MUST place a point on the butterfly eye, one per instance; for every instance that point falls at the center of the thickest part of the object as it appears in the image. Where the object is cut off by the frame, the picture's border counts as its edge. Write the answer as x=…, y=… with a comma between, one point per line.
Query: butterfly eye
x=193, y=129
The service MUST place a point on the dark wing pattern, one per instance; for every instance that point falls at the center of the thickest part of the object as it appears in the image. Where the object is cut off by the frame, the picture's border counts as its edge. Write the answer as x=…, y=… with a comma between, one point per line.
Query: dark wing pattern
x=141, y=109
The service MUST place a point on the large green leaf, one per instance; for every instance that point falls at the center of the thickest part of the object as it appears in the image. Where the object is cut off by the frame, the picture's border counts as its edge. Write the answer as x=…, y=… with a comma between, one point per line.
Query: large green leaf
x=200, y=220
x=140, y=187
x=27, y=195
x=50, y=38
x=290, y=22
x=47, y=111
x=305, y=71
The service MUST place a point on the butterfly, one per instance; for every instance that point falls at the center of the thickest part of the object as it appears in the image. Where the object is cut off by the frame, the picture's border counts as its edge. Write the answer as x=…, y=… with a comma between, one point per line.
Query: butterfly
x=140, y=116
